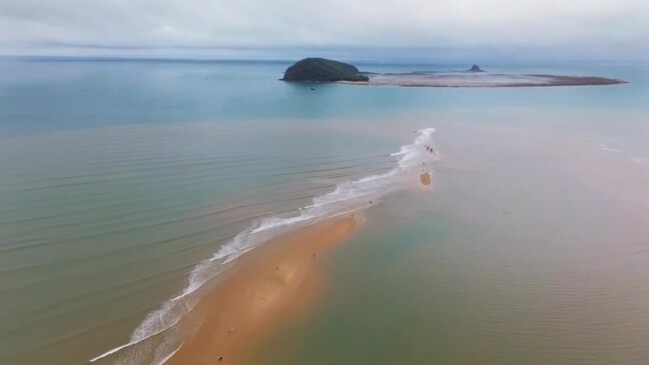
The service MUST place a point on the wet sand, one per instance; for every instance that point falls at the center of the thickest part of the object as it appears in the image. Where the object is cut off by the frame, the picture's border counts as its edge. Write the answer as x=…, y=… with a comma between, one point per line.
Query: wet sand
x=268, y=284
x=424, y=179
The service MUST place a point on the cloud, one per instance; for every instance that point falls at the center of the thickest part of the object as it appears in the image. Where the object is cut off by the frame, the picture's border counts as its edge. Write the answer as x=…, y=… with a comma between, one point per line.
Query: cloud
x=124, y=24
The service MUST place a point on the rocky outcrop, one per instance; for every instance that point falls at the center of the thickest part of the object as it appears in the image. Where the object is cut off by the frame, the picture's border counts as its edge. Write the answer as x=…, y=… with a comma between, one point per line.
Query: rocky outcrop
x=322, y=70
x=475, y=68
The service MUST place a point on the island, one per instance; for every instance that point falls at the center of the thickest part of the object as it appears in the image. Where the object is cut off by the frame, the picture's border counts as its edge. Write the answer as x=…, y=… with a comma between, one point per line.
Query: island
x=475, y=68
x=323, y=70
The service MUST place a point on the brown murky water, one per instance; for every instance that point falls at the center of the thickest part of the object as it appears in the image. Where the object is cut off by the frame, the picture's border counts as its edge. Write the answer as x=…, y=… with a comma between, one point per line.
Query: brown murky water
x=532, y=248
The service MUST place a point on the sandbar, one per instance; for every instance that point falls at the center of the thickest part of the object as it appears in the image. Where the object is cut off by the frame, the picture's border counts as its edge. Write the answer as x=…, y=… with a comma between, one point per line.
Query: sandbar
x=268, y=284
x=481, y=79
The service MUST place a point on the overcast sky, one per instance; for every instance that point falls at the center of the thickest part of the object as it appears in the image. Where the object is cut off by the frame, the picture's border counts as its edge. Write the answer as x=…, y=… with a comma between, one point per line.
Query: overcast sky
x=592, y=27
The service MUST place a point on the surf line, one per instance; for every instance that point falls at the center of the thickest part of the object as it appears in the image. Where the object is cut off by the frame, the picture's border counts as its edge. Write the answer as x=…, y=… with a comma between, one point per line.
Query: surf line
x=347, y=197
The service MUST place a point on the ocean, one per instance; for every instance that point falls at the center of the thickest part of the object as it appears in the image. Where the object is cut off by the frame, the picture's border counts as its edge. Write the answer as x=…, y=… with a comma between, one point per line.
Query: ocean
x=126, y=186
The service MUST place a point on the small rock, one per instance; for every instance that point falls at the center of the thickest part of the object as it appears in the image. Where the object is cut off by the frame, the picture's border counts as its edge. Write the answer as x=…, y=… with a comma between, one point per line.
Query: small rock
x=476, y=68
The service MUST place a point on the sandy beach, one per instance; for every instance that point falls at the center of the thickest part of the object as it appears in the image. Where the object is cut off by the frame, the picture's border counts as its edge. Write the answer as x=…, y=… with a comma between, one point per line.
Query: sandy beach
x=270, y=283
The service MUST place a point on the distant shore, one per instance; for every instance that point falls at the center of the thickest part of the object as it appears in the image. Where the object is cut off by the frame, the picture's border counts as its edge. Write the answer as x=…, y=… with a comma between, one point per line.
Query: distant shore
x=272, y=282
x=326, y=70
x=487, y=80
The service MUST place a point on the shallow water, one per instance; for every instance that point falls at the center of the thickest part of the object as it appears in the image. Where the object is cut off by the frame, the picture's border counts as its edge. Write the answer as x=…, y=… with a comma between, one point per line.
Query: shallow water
x=532, y=248
x=117, y=178
x=100, y=227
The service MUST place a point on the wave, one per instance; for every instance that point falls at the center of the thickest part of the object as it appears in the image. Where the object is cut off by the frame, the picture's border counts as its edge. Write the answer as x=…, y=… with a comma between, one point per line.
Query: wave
x=160, y=334
x=608, y=148
x=635, y=159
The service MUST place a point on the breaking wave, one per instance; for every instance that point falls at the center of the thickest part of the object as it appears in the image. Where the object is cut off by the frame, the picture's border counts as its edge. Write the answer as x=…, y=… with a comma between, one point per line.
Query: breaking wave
x=160, y=335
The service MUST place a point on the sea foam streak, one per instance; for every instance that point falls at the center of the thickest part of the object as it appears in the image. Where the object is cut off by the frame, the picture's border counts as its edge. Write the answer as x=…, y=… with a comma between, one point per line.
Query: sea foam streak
x=608, y=148
x=159, y=336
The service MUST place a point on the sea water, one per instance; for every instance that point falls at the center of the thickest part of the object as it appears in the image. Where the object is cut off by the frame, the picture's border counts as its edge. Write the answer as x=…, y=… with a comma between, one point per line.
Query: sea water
x=120, y=180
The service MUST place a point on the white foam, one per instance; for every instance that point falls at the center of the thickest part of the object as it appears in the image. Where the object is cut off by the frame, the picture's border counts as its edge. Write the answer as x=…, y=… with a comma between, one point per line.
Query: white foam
x=110, y=352
x=347, y=197
x=608, y=149
x=164, y=360
x=636, y=159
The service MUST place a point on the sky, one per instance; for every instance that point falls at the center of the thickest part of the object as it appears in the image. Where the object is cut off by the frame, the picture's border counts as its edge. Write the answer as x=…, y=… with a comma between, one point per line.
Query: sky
x=614, y=29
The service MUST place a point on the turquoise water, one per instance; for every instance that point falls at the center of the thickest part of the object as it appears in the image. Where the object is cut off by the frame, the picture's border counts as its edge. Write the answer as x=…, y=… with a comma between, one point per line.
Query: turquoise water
x=42, y=96
x=117, y=178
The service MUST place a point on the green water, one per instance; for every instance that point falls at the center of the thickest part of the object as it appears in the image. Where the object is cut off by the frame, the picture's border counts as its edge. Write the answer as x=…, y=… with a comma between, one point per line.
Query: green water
x=118, y=178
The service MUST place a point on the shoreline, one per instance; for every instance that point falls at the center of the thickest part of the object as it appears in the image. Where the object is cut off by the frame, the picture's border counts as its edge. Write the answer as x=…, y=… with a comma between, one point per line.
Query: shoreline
x=273, y=282
x=197, y=320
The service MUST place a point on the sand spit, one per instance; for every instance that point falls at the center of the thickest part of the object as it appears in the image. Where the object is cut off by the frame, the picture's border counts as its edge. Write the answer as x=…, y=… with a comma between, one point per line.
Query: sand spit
x=272, y=282
x=482, y=79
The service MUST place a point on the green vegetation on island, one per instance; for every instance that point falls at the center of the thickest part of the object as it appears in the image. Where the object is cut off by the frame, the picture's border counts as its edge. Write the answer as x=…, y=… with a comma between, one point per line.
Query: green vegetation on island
x=323, y=70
